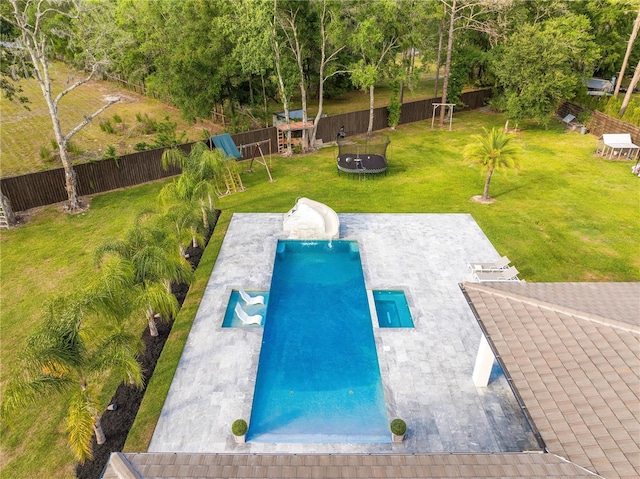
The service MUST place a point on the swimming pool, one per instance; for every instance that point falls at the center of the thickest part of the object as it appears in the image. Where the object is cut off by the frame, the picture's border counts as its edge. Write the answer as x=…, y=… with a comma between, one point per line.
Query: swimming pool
x=318, y=376
x=392, y=309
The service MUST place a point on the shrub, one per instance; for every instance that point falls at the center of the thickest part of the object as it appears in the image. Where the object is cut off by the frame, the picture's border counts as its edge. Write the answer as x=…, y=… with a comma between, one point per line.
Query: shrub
x=45, y=154
x=106, y=126
x=142, y=146
x=239, y=427
x=398, y=427
x=110, y=153
x=166, y=135
x=73, y=148
x=117, y=118
x=147, y=124
x=394, y=106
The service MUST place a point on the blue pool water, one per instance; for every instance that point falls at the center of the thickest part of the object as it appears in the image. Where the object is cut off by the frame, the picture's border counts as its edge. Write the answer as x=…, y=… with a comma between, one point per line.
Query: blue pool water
x=392, y=309
x=318, y=376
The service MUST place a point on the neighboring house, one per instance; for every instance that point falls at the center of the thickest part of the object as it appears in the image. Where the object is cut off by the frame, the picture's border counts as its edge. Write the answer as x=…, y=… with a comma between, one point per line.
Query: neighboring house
x=571, y=352
x=600, y=87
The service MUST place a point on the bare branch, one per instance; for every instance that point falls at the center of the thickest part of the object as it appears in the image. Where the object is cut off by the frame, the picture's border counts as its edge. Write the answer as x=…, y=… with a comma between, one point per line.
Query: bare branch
x=88, y=118
x=76, y=84
x=336, y=73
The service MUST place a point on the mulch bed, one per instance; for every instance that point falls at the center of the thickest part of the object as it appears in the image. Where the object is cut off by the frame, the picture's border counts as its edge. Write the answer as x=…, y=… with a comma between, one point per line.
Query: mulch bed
x=116, y=424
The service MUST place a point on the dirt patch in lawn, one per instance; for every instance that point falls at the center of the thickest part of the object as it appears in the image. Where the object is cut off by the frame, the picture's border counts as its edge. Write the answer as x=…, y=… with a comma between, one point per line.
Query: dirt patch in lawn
x=116, y=423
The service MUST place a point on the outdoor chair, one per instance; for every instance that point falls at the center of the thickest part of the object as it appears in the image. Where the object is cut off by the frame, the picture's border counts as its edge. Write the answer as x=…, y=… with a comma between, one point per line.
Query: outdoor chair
x=499, y=264
x=248, y=299
x=509, y=274
x=245, y=318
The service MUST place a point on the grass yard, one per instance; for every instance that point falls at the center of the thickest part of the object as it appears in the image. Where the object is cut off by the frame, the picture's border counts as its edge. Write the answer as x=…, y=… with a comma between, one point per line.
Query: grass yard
x=24, y=132
x=566, y=216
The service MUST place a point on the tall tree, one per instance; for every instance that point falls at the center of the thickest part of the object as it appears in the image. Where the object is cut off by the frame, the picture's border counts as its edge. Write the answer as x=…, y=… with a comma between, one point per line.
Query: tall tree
x=36, y=23
x=290, y=16
x=373, y=39
x=630, y=88
x=453, y=11
x=286, y=75
x=565, y=54
x=491, y=151
x=330, y=47
x=478, y=15
x=253, y=48
x=632, y=39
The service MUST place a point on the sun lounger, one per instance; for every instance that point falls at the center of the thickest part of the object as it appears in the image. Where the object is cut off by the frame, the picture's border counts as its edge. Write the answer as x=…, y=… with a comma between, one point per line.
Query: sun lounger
x=248, y=299
x=245, y=318
x=509, y=274
x=502, y=263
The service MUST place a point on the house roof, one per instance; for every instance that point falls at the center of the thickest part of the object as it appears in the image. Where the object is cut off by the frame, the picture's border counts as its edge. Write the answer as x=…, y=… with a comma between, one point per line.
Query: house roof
x=572, y=352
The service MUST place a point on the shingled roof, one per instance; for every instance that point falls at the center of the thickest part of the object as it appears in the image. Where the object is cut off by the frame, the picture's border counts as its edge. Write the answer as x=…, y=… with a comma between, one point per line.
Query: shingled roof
x=572, y=352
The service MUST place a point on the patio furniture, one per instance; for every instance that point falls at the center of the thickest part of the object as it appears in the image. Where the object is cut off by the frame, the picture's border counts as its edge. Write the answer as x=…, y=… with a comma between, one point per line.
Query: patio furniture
x=245, y=318
x=499, y=264
x=248, y=299
x=509, y=274
x=616, y=144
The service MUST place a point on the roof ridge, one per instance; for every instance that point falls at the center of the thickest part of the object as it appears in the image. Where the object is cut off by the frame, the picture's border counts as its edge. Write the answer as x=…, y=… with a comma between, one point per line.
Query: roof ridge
x=594, y=318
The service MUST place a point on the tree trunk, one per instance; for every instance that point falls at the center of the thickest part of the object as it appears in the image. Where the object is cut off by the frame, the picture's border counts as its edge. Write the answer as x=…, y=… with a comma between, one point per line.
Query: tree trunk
x=370, y=127
x=627, y=96
x=314, y=130
x=69, y=172
x=153, y=329
x=632, y=39
x=97, y=428
x=283, y=91
x=447, y=66
x=485, y=192
x=401, y=95
x=440, y=35
x=205, y=220
x=297, y=50
x=8, y=210
x=264, y=96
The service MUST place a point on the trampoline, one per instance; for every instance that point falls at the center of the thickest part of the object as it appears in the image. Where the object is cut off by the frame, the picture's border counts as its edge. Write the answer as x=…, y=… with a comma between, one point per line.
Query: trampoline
x=363, y=155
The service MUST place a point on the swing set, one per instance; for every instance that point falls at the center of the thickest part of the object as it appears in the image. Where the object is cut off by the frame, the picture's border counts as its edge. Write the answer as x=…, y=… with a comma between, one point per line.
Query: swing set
x=232, y=180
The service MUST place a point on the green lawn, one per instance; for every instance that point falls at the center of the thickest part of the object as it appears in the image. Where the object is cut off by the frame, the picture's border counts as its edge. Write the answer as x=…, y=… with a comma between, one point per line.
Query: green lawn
x=566, y=216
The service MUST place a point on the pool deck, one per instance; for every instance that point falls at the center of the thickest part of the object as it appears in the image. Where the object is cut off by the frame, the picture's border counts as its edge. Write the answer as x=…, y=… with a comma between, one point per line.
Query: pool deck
x=426, y=371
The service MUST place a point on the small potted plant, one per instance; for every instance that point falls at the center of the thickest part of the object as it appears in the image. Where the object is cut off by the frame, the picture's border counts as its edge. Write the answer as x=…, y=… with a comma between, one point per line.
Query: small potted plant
x=239, y=430
x=398, y=429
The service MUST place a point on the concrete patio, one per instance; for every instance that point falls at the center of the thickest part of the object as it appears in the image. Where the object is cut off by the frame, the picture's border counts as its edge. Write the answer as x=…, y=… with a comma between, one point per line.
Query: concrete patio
x=426, y=371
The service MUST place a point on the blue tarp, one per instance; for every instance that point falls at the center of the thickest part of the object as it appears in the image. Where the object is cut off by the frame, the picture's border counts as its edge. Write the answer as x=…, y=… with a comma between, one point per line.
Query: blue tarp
x=225, y=143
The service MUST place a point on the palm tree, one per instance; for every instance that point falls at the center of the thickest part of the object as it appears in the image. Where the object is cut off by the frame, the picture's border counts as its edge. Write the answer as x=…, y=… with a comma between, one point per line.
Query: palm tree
x=156, y=263
x=491, y=151
x=185, y=222
x=205, y=173
x=67, y=354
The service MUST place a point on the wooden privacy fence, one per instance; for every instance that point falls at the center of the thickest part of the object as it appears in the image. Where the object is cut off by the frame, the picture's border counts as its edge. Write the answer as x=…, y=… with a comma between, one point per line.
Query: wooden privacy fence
x=600, y=123
x=48, y=187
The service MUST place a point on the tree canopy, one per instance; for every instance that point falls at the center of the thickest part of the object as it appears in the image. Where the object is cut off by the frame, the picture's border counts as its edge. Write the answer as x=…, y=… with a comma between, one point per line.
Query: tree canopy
x=245, y=53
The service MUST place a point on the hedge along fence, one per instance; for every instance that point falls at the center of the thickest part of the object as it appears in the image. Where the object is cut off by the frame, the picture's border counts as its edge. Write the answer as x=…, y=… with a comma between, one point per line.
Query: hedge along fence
x=600, y=123
x=48, y=187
